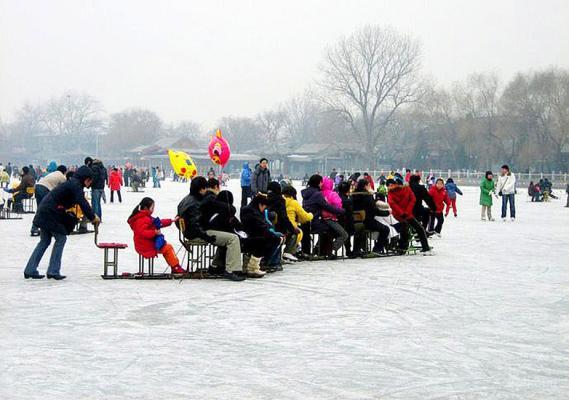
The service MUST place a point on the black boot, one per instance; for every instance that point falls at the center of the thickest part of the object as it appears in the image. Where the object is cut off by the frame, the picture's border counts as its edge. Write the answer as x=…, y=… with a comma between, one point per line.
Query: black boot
x=34, y=276
x=56, y=277
x=232, y=276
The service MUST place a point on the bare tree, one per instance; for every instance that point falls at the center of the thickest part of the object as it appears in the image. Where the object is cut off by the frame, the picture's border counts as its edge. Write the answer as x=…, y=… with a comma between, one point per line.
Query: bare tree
x=273, y=124
x=131, y=128
x=189, y=129
x=478, y=102
x=73, y=115
x=367, y=77
x=242, y=133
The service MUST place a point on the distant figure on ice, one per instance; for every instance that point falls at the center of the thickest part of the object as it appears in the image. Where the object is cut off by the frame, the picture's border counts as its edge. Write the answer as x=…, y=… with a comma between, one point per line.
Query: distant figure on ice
x=155, y=171
x=54, y=222
x=487, y=188
x=440, y=197
x=333, y=174
x=567, y=191
x=100, y=178
x=261, y=177
x=246, y=175
x=115, y=184
x=507, y=190
x=452, y=191
x=4, y=177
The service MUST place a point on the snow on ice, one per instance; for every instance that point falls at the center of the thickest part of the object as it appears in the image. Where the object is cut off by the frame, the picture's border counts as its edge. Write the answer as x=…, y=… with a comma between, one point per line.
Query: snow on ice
x=486, y=318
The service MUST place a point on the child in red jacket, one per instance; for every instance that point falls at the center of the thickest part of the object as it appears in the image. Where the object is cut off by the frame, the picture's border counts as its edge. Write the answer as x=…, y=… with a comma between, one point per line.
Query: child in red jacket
x=440, y=197
x=145, y=233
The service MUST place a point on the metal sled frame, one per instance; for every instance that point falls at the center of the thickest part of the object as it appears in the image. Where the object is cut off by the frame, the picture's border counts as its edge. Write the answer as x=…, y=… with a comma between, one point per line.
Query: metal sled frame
x=198, y=256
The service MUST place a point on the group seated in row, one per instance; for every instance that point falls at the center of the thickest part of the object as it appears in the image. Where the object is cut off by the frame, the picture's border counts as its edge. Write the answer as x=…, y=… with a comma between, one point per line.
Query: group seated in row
x=275, y=227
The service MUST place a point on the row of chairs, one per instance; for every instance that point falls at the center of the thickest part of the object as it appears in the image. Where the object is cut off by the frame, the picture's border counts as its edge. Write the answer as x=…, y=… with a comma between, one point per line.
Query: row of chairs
x=199, y=255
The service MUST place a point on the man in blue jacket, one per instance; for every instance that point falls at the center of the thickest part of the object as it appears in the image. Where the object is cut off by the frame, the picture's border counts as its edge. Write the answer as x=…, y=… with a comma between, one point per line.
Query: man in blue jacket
x=246, y=192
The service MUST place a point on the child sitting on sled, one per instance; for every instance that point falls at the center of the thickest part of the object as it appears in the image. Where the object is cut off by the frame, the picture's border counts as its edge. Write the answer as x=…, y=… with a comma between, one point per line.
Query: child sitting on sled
x=148, y=239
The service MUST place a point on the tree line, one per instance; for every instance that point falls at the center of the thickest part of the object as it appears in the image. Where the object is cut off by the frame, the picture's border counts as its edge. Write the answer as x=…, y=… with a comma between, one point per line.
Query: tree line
x=370, y=90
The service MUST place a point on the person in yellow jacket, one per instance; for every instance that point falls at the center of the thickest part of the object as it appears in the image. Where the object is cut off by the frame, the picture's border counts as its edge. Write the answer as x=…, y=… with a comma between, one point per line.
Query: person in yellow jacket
x=297, y=216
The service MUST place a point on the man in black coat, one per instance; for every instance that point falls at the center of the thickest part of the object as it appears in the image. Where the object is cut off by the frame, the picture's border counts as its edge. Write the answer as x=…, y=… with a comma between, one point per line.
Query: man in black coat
x=421, y=193
x=53, y=221
x=190, y=209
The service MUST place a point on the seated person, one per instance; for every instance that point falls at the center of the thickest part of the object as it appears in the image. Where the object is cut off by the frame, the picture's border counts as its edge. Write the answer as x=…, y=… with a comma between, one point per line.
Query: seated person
x=347, y=220
x=402, y=200
x=277, y=205
x=314, y=202
x=421, y=213
x=20, y=192
x=263, y=241
x=135, y=181
x=331, y=219
x=364, y=200
x=297, y=216
x=145, y=232
x=190, y=210
x=388, y=220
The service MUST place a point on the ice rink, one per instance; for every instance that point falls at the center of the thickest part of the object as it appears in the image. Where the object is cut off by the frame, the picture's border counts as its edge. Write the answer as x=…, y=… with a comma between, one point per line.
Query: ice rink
x=486, y=318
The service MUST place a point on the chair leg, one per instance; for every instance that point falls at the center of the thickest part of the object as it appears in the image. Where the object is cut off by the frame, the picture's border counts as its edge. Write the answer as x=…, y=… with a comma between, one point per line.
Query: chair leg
x=105, y=262
x=116, y=262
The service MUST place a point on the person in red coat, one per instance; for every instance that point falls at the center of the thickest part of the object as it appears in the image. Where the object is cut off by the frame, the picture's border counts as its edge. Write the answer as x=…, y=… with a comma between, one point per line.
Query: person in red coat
x=401, y=200
x=145, y=234
x=369, y=178
x=115, y=183
x=440, y=197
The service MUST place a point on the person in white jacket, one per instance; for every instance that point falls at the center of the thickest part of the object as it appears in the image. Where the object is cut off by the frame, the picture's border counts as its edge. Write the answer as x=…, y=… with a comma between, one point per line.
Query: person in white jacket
x=506, y=187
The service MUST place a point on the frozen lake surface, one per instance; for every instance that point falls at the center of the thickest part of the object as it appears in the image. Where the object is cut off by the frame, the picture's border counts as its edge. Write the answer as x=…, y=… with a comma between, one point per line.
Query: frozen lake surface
x=486, y=318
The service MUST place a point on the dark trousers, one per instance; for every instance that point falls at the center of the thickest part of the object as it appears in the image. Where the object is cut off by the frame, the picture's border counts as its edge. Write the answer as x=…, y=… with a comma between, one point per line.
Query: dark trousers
x=260, y=247
x=246, y=194
x=314, y=227
x=424, y=217
x=404, y=234
x=509, y=199
x=440, y=220
x=40, y=192
x=373, y=226
x=118, y=195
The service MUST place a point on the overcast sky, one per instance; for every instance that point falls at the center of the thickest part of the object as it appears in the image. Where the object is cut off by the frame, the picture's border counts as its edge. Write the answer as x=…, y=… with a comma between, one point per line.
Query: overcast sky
x=201, y=60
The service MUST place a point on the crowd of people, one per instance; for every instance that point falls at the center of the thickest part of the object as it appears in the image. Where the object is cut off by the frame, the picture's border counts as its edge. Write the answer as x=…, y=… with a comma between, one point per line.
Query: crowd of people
x=273, y=225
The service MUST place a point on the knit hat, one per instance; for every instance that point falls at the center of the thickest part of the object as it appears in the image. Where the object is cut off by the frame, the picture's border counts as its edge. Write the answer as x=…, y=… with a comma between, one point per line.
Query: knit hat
x=83, y=173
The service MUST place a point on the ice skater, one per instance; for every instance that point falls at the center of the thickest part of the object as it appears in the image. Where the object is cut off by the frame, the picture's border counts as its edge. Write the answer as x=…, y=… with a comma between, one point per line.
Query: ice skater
x=440, y=197
x=452, y=191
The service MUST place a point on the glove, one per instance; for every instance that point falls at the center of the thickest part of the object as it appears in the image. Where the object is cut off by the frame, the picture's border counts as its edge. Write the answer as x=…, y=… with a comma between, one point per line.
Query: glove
x=96, y=220
x=276, y=233
x=8, y=190
x=211, y=239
